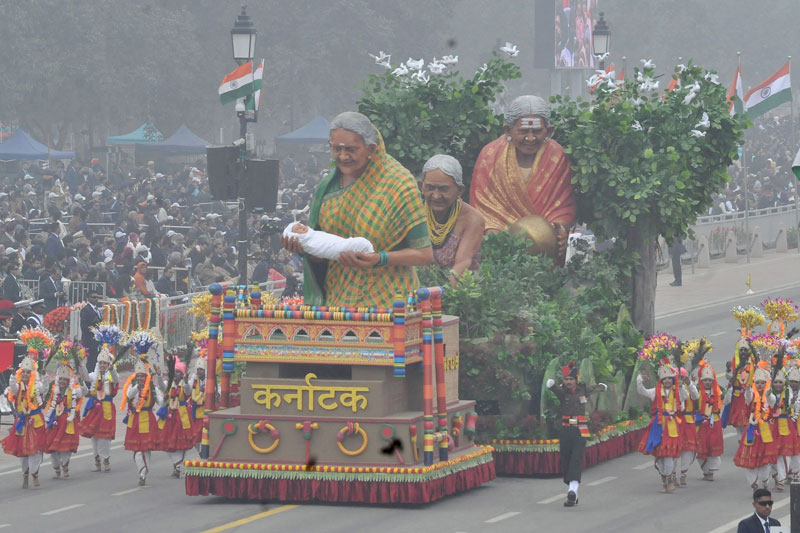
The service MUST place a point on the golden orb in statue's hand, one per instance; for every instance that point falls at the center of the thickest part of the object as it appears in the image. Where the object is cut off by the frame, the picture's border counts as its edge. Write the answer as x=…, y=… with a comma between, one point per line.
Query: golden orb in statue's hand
x=539, y=231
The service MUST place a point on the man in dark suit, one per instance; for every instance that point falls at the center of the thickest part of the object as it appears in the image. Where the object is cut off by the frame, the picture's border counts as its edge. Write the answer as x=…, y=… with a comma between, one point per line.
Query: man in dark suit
x=90, y=316
x=10, y=285
x=760, y=522
x=51, y=290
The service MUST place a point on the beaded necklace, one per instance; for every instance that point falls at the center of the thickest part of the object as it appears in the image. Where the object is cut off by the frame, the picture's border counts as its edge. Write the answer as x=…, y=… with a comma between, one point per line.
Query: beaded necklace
x=439, y=232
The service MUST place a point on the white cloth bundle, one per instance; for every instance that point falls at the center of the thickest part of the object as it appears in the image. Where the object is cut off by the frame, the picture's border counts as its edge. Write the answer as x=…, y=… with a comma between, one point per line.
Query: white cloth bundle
x=326, y=245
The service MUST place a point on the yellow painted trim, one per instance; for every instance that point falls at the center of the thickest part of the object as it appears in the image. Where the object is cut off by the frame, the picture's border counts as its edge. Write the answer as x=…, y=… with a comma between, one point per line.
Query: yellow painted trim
x=253, y=518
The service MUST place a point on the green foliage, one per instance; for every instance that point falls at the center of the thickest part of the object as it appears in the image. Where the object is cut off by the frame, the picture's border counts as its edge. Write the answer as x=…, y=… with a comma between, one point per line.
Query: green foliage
x=636, y=159
x=518, y=313
x=447, y=114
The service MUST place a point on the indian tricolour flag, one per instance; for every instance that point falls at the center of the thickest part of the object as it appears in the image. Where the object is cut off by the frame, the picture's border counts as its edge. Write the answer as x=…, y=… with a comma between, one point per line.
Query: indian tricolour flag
x=237, y=84
x=769, y=94
x=736, y=93
x=796, y=165
x=255, y=101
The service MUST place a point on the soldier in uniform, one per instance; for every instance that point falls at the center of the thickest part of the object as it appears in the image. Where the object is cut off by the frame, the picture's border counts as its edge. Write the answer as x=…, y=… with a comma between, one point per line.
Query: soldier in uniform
x=573, y=396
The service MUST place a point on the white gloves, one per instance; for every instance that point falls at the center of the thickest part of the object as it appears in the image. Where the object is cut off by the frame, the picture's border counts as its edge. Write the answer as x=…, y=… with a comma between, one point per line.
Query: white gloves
x=550, y=382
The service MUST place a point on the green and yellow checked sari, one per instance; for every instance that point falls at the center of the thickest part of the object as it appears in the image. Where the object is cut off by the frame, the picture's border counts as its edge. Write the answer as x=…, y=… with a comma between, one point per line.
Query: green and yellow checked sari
x=384, y=205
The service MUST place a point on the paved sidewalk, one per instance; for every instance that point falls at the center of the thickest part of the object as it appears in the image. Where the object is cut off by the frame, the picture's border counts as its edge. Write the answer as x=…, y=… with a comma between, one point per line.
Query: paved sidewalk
x=726, y=281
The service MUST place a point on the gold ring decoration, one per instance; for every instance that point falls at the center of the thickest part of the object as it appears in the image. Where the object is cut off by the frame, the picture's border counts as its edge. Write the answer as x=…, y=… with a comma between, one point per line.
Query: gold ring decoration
x=351, y=429
x=263, y=426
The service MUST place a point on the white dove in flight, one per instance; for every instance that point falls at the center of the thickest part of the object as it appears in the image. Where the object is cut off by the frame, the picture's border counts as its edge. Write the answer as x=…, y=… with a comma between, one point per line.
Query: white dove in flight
x=594, y=80
x=402, y=70
x=386, y=65
x=510, y=49
x=698, y=133
x=415, y=64
x=381, y=58
x=704, y=121
x=450, y=60
x=648, y=63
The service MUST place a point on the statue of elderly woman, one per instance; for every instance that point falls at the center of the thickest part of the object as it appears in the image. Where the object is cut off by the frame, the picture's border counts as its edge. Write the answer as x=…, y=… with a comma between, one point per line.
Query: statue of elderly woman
x=525, y=174
x=456, y=228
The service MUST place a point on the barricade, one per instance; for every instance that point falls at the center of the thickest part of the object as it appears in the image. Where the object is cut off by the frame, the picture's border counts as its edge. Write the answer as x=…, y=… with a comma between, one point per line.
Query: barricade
x=29, y=288
x=170, y=315
x=79, y=290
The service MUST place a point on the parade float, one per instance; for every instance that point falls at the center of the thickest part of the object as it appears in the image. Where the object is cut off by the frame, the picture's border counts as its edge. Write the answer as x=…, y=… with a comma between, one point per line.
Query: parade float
x=337, y=404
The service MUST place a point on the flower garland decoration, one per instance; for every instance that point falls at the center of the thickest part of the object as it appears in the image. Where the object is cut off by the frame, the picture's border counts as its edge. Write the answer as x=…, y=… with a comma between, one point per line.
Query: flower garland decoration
x=56, y=319
x=691, y=346
x=38, y=339
x=658, y=346
x=780, y=310
x=201, y=305
x=110, y=334
x=765, y=345
x=30, y=402
x=748, y=317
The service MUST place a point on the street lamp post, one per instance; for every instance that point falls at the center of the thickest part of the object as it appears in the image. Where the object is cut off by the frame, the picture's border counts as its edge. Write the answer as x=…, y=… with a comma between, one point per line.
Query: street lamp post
x=601, y=41
x=243, y=44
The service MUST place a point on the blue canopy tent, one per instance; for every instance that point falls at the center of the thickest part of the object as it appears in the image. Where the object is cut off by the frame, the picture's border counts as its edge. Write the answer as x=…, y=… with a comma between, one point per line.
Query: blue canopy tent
x=144, y=134
x=23, y=146
x=183, y=141
x=315, y=132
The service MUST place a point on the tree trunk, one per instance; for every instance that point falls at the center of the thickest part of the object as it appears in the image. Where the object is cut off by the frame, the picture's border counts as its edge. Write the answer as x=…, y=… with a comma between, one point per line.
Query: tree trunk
x=643, y=280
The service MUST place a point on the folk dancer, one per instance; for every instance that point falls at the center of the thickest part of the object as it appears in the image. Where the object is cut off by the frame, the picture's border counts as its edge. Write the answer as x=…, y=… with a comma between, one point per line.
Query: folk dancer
x=688, y=429
x=177, y=436
x=99, y=415
x=793, y=376
x=757, y=449
x=141, y=434
x=63, y=416
x=783, y=425
x=663, y=438
x=197, y=384
x=736, y=412
x=572, y=396
x=26, y=438
x=709, y=431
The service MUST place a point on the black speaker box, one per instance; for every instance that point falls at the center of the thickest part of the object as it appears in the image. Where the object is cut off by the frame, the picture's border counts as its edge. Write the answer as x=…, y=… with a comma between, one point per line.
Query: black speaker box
x=223, y=171
x=261, y=189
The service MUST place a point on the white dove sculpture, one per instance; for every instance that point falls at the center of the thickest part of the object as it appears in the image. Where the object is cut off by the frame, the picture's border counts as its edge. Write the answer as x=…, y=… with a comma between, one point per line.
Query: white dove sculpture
x=636, y=126
x=297, y=212
x=693, y=90
x=450, y=60
x=510, y=49
x=712, y=78
x=381, y=58
x=704, y=121
x=402, y=70
x=698, y=133
x=421, y=76
x=648, y=63
x=436, y=67
x=415, y=64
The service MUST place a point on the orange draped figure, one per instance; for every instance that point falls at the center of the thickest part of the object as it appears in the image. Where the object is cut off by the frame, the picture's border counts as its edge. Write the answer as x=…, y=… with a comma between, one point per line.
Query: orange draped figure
x=503, y=195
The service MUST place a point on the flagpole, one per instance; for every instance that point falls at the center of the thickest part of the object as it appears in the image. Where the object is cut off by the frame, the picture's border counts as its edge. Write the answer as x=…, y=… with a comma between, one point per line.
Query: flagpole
x=746, y=179
x=794, y=147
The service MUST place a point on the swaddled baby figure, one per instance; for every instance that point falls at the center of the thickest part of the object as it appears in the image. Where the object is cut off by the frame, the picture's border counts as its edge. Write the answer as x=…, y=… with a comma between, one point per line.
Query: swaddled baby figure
x=326, y=245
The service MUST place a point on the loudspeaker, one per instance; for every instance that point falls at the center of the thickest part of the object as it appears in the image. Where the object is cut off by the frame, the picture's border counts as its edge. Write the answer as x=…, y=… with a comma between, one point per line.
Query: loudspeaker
x=261, y=188
x=223, y=171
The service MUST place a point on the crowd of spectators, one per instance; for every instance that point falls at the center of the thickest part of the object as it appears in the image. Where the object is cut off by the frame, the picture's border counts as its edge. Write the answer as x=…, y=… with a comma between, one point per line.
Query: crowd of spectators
x=138, y=230
x=771, y=183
